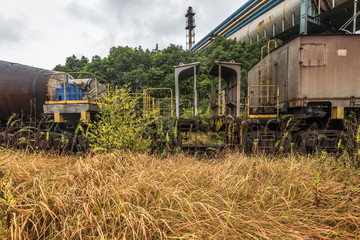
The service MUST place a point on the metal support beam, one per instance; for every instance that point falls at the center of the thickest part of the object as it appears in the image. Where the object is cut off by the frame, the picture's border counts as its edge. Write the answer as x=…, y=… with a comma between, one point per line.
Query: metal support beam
x=304, y=13
x=177, y=95
x=195, y=94
x=219, y=88
x=85, y=116
x=337, y=113
x=355, y=11
x=58, y=118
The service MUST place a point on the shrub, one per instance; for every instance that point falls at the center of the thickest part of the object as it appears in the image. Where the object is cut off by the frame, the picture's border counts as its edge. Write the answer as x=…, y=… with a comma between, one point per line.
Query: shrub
x=118, y=126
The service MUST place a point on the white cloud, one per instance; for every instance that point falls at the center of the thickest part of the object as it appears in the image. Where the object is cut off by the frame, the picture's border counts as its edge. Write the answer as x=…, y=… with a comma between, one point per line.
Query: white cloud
x=11, y=32
x=43, y=33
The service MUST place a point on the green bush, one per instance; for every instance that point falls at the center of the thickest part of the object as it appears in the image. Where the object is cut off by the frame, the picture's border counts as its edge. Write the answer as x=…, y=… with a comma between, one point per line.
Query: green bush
x=118, y=124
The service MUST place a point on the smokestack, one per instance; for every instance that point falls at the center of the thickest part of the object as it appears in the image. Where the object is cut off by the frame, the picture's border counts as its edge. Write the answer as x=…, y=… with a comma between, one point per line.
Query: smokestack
x=190, y=28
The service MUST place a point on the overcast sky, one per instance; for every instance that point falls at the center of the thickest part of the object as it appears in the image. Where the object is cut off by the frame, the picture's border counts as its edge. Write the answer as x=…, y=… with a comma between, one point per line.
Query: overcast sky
x=43, y=33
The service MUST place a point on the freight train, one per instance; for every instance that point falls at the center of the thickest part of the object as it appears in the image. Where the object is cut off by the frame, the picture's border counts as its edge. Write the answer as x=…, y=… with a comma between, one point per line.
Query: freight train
x=298, y=95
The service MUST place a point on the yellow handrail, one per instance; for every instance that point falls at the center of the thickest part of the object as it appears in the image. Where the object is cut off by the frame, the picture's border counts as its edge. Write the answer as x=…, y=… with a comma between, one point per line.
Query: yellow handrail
x=147, y=99
x=260, y=97
x=237, y=21
x=221, y=103
x=268, y=67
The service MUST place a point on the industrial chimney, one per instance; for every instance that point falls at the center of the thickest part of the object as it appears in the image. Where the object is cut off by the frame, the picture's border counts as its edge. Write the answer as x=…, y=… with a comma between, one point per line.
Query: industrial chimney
x=190, y=28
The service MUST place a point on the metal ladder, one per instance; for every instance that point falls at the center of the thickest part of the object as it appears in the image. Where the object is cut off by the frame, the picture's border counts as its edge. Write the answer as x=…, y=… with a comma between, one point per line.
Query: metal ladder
x=264, y=86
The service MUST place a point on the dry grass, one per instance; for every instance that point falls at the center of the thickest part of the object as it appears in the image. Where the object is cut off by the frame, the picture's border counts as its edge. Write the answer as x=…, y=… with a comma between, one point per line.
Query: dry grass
x=133, y=196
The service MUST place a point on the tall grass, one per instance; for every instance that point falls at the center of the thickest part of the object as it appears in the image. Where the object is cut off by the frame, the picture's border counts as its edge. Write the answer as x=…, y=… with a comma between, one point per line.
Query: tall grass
x=125, y=195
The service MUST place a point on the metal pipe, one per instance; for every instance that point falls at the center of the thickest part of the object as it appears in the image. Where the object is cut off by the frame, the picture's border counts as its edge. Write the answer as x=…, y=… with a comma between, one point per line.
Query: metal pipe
x=230, y=21
x=246, y=15
x=96, y=89
x=333, y=3
x=243, y=8
x=219, y=87
x=195, y=94
x=237, y=21
x=242, y=24
x=355, y=11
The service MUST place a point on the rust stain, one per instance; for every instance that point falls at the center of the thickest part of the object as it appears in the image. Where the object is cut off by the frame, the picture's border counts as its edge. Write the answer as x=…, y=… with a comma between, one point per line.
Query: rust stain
x=271, y=18
x=248, y=30
x=261, y=24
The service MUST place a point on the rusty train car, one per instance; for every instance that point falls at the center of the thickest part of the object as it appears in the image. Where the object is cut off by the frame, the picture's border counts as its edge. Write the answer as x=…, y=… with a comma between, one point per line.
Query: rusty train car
x=312, y=80
x=22, y=90
x=32, y=93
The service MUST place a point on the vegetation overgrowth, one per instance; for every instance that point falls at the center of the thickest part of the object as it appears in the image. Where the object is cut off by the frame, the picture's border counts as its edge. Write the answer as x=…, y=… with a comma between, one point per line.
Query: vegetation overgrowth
x=124, y=195
x=118, y=124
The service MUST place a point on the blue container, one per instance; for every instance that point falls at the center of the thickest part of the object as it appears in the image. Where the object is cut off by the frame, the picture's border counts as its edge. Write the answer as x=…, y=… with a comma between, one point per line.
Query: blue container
x=72, y=93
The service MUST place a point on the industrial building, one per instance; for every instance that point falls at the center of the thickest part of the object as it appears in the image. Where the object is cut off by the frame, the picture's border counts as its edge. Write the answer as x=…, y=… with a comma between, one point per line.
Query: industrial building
x=285, y=19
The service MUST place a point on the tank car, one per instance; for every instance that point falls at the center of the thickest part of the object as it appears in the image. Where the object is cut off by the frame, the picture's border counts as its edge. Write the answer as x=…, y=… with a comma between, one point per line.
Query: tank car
x=22, y=89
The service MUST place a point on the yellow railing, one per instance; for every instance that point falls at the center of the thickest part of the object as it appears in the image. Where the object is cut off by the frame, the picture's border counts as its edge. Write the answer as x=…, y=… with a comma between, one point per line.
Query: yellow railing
x=262, y=82
x=222, y=103
x=262, y=105
x=244, y=111
x=151, y=103
x=156, y=105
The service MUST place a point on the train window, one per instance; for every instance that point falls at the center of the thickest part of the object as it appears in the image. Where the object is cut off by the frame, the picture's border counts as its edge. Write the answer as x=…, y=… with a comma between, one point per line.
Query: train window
x=265, y=32
x=283, y=24
x=274, y=29
x=293, y=19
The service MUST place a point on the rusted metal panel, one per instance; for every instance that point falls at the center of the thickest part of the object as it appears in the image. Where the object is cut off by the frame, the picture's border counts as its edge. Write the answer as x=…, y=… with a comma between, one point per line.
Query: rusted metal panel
x=22, y=90
x=313, y=54
x=280, y=74
x=340, y=76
